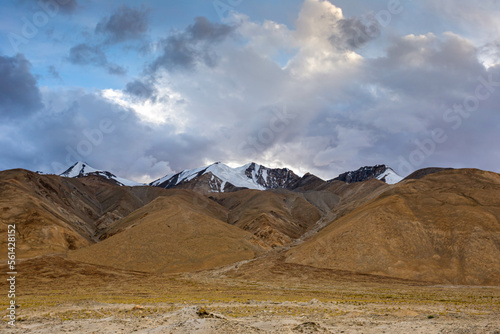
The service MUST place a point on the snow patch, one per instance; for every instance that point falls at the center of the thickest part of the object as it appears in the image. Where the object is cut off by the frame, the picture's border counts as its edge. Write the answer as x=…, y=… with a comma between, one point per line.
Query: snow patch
x=81, y=169
x=390, y=176
x=235, y=176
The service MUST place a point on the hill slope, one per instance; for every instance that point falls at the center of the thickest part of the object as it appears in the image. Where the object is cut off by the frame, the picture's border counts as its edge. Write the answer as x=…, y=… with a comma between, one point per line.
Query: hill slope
x=53, y=214
x=444, y=227
x=172, y=234
x=276, y=218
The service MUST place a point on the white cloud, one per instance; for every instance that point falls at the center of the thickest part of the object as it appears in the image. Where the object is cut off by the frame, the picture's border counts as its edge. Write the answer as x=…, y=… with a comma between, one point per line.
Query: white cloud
x=327, y=111
x=166, y=107
x=470, y=14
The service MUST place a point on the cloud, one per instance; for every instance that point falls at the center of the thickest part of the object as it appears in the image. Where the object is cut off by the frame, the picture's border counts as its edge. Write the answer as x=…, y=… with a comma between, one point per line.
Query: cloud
x=125, y=24
x=164, y=106
x=67, y=7
x=317, y=18
x=428, y=67
x=204, y=30
x=77, y=125
x=19, y=93
x=270, y=114
x=345, y=148
x=85, y=54
x=184, y=50
x=53, y=72
x=470, y=15
x=298, y=96
x=323, y=36
x=115, y=69
x=490, y=53
x=353, y=33
x=141, y=90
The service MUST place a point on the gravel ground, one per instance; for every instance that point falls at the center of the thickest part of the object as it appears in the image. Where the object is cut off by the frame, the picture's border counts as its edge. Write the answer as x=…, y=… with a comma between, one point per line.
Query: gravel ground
x=257, y=317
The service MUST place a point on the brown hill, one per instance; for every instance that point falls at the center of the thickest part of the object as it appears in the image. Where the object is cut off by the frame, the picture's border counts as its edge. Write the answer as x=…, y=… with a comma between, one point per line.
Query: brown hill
x=276, y=217
x=441, y=226
x=418, y=174
x=175, y=233
x=444, y=227
x=307, y=182
x=53, y=214
x=197, y=203
x=353, y=195
x=114, y=201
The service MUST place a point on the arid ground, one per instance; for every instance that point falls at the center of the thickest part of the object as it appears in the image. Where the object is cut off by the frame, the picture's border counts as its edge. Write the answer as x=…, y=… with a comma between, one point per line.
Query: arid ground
x=56, y=295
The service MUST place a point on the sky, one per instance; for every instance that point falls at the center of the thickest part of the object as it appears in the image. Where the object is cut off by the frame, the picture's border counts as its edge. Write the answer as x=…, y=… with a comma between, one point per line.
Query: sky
x=148, y=88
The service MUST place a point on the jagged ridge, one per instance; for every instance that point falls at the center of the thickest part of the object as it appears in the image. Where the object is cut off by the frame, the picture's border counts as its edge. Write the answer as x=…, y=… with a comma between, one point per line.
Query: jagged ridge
x=380, y=172
x=82, y=169
x=219, y=177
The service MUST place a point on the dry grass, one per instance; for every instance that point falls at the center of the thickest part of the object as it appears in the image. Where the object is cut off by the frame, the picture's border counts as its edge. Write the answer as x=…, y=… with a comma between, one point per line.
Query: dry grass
x=40, y=284
x=56, y=294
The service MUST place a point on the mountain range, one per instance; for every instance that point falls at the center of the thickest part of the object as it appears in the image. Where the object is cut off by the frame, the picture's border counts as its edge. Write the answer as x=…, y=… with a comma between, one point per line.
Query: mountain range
x=438, y=225
x=219, y=177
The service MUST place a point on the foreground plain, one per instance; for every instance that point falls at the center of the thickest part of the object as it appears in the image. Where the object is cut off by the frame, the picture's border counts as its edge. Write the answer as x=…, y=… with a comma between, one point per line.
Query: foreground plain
x=58, y=295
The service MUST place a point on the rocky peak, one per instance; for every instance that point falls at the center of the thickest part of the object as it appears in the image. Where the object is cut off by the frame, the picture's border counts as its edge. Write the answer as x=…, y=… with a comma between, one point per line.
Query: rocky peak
x=271, y=178
x=82, y=169
x=380, y=172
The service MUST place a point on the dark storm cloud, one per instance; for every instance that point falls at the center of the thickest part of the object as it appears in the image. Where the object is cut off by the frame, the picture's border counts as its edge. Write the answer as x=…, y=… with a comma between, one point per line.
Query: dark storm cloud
x=204, y=30
x=177, y=53
x=84, y=54
x=126, y=24
x=355, y=33
x=19, y=93
x=193, y=46
x=140, y=89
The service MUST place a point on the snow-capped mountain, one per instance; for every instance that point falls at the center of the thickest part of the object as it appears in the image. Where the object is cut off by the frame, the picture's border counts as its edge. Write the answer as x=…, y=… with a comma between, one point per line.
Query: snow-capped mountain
x=380, y=172
x=81, y=169
x=219, y=177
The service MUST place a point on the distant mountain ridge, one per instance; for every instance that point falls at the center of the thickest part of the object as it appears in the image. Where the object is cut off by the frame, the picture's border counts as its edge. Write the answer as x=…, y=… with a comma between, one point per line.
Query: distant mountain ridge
x=219, y=177
x=379, y=172
x=81, y=169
